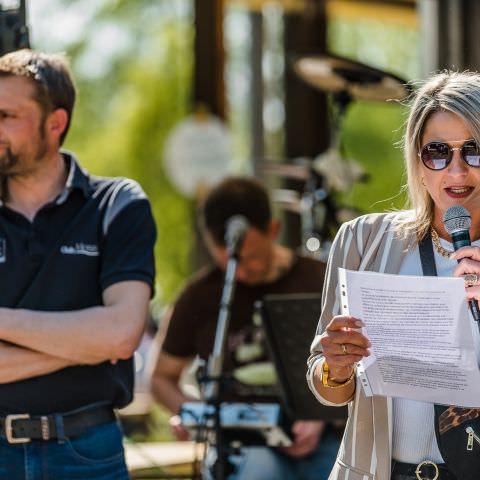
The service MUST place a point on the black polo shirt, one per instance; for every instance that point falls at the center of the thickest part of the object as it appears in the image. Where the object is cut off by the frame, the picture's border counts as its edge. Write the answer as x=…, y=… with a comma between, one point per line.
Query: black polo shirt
x=99, y=231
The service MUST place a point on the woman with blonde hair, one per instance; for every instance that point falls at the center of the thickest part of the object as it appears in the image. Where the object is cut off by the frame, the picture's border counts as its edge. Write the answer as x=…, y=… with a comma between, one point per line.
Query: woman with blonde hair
x=394, y=438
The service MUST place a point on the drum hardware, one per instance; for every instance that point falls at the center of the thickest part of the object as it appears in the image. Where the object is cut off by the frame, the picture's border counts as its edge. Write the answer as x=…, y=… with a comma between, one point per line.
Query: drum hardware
x=330, y=172
x=316, y=205
x=263, y=418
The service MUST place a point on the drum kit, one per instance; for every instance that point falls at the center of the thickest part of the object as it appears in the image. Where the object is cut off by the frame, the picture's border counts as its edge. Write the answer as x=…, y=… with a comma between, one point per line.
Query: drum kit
x=330, y=173
x=345, y=80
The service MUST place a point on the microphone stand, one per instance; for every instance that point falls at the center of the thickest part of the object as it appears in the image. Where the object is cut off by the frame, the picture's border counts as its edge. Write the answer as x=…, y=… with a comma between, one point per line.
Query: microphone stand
x=213, y=385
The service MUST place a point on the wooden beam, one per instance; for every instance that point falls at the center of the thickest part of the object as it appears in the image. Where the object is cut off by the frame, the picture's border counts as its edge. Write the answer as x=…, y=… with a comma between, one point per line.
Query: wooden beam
x=257, y=5
x=404, y=13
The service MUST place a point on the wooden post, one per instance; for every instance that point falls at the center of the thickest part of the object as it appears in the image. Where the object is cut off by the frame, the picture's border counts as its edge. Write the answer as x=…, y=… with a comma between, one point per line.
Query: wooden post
x=306, y=126
x=208, y=87
x=257, y=151
x=470, y=32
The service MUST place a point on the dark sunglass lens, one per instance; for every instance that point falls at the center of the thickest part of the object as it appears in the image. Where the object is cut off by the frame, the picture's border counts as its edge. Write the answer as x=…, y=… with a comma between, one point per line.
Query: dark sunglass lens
x=471, y=153
x=435, y=156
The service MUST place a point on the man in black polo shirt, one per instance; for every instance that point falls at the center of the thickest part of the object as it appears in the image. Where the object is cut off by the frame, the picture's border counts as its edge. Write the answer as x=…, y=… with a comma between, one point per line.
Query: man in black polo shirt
x=76, y=274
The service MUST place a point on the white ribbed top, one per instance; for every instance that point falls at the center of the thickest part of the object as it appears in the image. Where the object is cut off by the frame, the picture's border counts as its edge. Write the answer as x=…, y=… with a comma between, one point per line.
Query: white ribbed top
x=413, y=422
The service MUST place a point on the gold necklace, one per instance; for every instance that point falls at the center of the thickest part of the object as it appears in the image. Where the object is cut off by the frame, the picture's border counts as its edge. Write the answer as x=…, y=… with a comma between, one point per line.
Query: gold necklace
x=438, y=246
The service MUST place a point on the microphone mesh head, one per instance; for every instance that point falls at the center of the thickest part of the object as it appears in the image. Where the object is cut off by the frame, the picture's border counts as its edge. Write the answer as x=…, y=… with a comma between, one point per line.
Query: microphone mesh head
x=457, y=218
x=235, y=226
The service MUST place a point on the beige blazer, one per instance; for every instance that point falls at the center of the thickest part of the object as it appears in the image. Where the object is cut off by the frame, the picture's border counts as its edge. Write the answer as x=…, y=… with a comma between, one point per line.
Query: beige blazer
x=370, y=242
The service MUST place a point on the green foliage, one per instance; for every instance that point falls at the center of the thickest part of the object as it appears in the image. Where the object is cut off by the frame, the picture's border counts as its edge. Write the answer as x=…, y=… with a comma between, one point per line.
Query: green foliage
x=124, y=116
x=388, y=46
x=372, y=131
x=151, y=427
x=371, y=135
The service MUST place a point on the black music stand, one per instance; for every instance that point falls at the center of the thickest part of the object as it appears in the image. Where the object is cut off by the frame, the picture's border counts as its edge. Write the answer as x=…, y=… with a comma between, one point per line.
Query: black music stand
x=290, y=322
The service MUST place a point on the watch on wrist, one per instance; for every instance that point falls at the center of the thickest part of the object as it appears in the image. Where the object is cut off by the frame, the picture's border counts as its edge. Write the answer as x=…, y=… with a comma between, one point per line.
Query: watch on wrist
x=329, y=382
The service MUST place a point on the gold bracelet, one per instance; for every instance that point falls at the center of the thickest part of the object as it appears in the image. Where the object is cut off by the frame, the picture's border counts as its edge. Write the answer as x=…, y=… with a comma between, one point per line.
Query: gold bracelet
x=330, y=382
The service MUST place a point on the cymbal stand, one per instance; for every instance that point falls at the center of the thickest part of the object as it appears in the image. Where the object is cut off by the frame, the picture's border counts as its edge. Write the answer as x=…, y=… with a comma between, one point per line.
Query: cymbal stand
x=319, y=212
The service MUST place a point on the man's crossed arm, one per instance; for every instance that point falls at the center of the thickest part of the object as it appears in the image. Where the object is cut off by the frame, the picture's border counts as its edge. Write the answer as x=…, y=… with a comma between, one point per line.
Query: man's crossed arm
x=37, y=343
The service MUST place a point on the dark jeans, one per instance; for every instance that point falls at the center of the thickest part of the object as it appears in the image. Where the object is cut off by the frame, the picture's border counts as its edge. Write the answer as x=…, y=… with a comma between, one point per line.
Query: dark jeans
x=263, y=463
x=96, y=455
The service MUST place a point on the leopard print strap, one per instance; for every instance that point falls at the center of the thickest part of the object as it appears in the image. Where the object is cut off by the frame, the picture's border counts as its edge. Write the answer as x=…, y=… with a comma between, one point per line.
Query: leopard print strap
x=452, y=417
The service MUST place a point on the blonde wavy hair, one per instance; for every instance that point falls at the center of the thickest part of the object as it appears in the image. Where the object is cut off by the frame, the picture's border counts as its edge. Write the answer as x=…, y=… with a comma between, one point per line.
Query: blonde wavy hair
x=455, y=92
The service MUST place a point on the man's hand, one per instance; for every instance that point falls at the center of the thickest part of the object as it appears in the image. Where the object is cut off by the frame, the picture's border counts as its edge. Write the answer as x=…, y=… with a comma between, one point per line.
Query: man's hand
x=306, y=435
x=18, y=363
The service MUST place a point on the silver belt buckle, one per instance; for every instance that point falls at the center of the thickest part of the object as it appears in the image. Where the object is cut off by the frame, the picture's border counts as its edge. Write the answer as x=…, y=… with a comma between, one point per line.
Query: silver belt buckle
x=9, y=429
x=419, y=467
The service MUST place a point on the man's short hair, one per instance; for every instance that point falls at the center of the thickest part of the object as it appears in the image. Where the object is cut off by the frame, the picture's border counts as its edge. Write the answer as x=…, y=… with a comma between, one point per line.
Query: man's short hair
x=235, y=196
x=49, y=74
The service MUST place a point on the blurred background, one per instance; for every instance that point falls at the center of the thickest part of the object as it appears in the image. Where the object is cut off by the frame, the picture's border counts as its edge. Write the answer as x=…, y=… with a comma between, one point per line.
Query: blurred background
x=144, y=67
x=308, y=95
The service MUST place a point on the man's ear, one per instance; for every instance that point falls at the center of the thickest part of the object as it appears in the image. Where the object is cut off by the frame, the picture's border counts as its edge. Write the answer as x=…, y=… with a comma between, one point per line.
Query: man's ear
x=274, y=228
x=57, y=122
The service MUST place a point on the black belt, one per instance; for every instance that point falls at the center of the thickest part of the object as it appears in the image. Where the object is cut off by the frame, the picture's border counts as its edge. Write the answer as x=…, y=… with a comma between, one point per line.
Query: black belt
x=22, y=428
x=426, y=470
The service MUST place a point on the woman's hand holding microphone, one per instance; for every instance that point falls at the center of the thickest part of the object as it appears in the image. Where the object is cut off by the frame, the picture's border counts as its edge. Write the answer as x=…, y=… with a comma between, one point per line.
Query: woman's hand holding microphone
x=469, y=269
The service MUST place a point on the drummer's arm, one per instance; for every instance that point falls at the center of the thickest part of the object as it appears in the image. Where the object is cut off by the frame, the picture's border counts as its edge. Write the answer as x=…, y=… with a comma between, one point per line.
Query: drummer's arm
x=165, y=381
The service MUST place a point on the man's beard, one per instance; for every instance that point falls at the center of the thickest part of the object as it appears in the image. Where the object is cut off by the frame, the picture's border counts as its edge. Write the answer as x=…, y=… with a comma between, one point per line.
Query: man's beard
x=14, y=164
x=8, y=162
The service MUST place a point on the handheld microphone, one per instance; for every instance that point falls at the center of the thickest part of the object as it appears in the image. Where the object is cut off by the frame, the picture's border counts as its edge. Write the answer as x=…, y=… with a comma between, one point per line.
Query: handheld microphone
x=457, y=222
x=235, y=229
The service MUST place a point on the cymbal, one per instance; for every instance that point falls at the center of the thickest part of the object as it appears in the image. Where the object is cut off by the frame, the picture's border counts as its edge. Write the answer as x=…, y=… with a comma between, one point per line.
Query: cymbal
x=287, y=170
x=336, y=74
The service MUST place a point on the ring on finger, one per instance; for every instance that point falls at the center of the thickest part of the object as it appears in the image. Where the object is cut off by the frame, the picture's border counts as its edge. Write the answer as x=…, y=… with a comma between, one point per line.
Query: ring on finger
x=344, y=349
x=471, y=279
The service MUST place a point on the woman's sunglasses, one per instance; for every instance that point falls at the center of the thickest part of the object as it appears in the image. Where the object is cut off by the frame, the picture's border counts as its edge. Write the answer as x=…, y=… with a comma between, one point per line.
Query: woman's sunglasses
x=438, y=155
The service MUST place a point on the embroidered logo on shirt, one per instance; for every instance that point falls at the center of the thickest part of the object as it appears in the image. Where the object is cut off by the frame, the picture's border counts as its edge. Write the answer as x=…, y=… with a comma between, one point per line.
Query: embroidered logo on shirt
x=80, y=249
x=3, y=250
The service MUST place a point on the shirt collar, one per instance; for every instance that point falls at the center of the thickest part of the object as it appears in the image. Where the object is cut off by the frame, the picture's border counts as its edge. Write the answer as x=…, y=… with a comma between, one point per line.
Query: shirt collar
x=77, y=178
